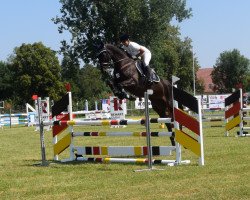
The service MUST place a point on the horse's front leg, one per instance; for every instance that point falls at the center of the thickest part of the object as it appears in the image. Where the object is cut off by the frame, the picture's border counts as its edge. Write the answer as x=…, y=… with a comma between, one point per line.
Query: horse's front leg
x=123, y=94
x=116, y=89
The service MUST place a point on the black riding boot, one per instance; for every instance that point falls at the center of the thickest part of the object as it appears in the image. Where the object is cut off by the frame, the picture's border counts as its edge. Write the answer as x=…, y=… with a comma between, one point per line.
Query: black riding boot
x=148, y=75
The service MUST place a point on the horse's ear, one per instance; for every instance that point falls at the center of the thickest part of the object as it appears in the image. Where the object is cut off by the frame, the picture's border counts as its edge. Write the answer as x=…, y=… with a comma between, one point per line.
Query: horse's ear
x=99, y=46
x=102, y=45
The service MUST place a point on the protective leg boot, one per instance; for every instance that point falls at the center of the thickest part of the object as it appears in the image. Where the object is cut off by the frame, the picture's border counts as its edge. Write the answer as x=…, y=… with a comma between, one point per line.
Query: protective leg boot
x=122, y=94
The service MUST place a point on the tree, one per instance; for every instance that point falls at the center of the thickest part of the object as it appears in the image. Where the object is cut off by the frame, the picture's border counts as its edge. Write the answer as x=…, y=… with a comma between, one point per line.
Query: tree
x=174, y=57
x=36, y=70
x=246, y=83
x=147, y=21
x=185, y=69
x=93, y=88
x=91, y=20
x=6, y=88
x=71, y=73
x=200, y=86
x=230, y=70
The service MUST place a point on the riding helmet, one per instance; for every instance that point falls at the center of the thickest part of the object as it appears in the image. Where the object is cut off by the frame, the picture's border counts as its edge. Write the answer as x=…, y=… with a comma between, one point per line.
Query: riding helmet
x=124, y=37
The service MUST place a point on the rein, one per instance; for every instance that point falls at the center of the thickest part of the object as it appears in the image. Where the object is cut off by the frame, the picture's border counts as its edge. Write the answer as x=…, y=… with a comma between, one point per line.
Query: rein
x=114, y=62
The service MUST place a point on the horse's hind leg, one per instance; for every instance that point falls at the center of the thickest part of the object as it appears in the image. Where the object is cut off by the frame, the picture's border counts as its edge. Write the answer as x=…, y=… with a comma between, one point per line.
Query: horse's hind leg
x=169, y=127
x=162, y=111
x=170, y=114
x=172, y=137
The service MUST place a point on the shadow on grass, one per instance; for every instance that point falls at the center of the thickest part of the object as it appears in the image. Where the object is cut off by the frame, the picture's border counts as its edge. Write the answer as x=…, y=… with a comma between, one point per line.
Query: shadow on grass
x=47, y=163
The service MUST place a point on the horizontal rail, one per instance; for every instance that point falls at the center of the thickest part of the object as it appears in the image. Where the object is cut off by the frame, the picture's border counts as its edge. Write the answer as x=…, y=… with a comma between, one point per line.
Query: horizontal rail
x=136, y=134
x=108, y=122
x=123, y=150
x=130, y=160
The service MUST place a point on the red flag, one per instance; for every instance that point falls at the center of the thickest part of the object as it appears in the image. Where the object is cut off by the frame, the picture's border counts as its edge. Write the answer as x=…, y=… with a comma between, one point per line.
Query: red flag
x=34, y=97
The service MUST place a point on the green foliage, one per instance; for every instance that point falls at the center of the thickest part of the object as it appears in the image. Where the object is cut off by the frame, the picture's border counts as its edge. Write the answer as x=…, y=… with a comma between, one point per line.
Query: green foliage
x=70, y=67
x=89, y=21
x=199, y=86
x=86, y=83
x=246, y=83
x=174, y=57
x=230, y=71
x=185, y=68
x=6, y=89
x=35, y=70
x=93, y=88
x=71, y=73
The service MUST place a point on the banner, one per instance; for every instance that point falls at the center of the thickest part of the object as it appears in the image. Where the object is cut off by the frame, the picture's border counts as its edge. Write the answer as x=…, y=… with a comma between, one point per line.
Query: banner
x=217, y=101
x=212, y=101
x=141, y=104
x=118, y=108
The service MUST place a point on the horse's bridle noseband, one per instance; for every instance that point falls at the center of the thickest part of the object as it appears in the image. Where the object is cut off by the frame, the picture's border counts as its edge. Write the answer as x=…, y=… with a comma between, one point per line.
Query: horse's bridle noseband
x=111, y=62
x=104, y=64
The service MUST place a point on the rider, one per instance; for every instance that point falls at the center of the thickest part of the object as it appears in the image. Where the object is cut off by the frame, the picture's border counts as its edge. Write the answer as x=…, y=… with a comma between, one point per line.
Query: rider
x=136, y=50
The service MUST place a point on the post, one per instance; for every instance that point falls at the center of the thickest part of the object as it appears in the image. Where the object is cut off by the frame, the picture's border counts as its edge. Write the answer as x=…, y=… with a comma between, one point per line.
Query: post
x=96, y=105
x=177, y=145
x=200, y=138
x=176, y=124
x=71, y=129
x=148, y=134
x=10, y=117
x=44, y=162
x=241, y=125
x=193, y=72
x=148, y=92
x=86, y=105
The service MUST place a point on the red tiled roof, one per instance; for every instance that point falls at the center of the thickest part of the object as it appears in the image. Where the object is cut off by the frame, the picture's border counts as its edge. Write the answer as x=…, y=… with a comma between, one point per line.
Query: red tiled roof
x=205, y=75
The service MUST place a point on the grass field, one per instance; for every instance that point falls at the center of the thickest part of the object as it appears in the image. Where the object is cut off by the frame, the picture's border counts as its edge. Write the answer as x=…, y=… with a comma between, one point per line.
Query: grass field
x=226, y=174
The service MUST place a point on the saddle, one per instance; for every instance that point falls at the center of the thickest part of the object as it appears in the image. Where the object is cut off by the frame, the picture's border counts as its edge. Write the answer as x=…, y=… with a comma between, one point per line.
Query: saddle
x=153, y=75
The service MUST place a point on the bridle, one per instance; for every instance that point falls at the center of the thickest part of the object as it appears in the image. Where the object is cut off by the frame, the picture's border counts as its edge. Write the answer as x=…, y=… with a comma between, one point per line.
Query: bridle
x=111, y=62
x=105, y=64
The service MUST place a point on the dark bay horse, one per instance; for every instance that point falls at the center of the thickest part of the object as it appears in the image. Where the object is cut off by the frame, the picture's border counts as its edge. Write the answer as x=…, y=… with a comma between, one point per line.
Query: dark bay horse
x=126, y=75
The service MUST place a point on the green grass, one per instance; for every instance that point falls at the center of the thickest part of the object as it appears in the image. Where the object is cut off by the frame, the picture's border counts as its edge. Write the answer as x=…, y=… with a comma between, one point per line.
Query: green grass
x=226, y=173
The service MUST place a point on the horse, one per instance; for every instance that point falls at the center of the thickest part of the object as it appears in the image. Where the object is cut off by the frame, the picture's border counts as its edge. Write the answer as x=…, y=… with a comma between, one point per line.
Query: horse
x=127, y=76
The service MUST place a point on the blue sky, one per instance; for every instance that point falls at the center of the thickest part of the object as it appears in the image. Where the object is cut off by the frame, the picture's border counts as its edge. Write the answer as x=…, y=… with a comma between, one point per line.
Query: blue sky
x=28, y=21
x=216, y=26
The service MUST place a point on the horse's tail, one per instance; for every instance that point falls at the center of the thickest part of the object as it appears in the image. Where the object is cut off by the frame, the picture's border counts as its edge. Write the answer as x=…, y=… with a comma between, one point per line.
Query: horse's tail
x=169, y=94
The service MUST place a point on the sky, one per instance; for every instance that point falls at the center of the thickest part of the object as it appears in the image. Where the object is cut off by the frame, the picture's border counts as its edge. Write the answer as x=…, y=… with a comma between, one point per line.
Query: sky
x=216, y=26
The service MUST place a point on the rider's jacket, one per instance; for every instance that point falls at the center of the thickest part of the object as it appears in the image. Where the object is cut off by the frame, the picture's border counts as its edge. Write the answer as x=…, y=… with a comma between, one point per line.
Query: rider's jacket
x=133, y=49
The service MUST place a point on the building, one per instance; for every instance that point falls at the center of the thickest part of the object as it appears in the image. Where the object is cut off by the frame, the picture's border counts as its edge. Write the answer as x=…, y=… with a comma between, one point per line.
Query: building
x=204, y=74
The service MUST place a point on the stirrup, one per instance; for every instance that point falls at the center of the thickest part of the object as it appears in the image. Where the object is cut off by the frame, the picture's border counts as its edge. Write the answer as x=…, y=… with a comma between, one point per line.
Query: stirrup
x=150, y=81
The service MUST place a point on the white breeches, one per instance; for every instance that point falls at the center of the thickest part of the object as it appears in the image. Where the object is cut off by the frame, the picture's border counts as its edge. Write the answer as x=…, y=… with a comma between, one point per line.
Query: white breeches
x=146, y=57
